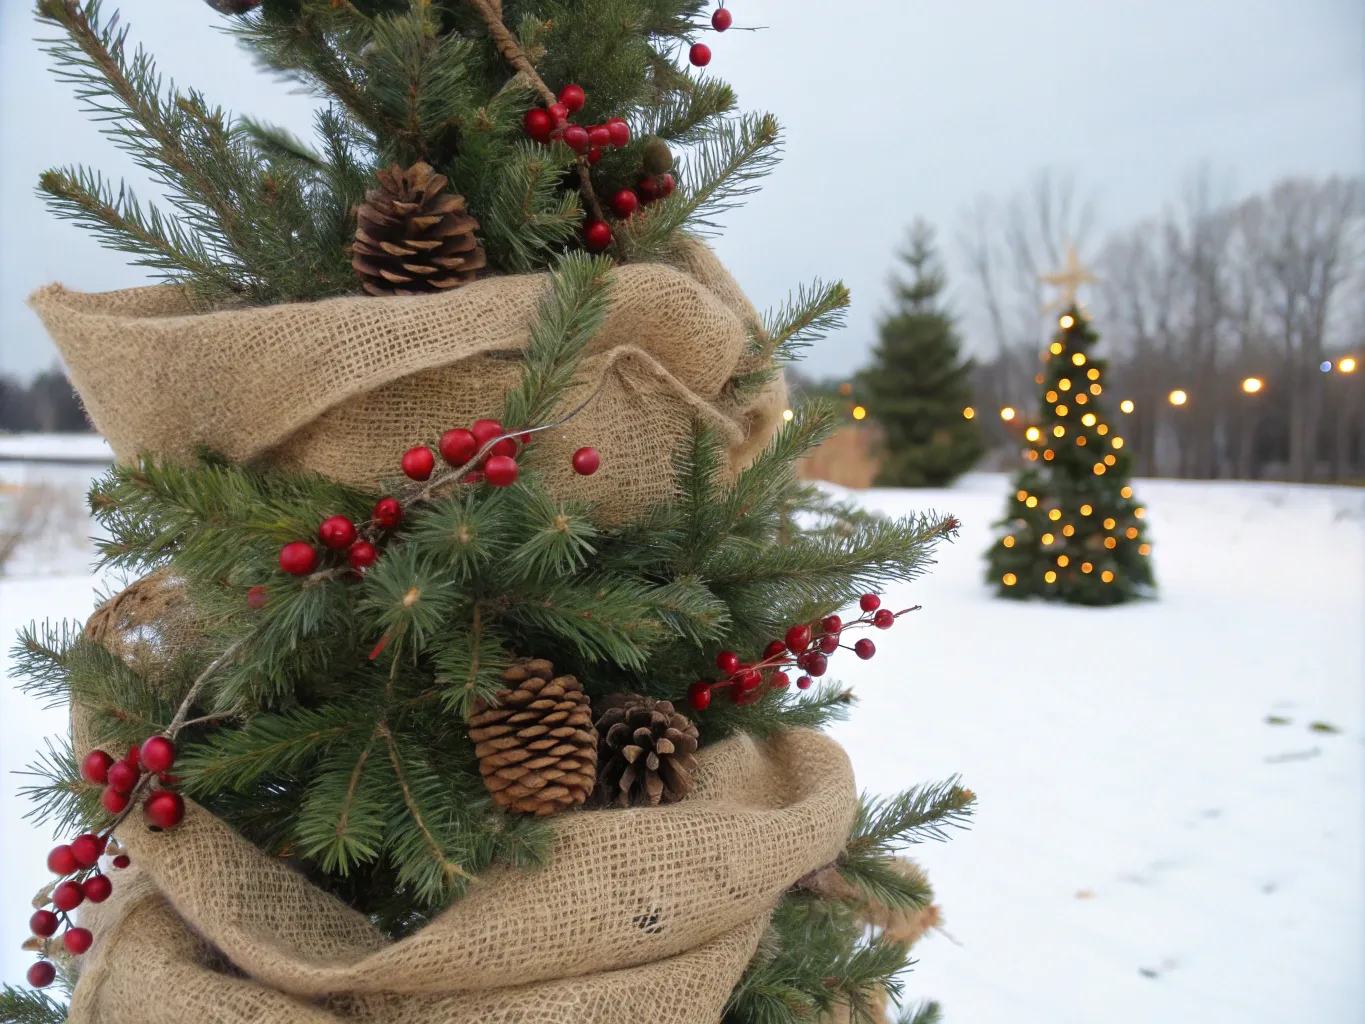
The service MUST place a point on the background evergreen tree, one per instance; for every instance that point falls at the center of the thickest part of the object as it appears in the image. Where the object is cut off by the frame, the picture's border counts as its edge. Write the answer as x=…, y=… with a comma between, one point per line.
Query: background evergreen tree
x=918, y=384
x=1074, y=531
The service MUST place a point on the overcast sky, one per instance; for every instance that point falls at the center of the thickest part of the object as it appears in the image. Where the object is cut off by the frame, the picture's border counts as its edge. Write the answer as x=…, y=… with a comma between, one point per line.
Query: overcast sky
x=893, y=109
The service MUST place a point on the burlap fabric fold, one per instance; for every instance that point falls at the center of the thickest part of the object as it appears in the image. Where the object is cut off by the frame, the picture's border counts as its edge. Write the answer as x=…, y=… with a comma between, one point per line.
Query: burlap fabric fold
x=343, y=386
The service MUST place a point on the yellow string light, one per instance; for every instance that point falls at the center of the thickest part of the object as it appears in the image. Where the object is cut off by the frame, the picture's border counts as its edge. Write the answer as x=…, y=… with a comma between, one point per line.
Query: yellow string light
x=1063, y=561
x=1139, y=512
x=1059, y=431
x=1102, y=429
x=1110, y=543
x=1107, y=576
x=1347, y=365
x=1081, y=398
x=1095, y=389
x=1178, y=397
x=1144, y=549
x=859, y=412
x=1033, y=433
x=1008, y=542
x=1067, y=322
x=1116, y=442
x=1131, y=533
x=1252, y=385
x=1068, y=530
x=1007, y=413
x=1061, y=410
x=1126, y=405
x=1078, y=358
x=1055, y=348
x=1109, y=524
x=1088, y=419
x=1009, y=579
x=1050, y=576
x=788, y=415
x=1127, y=492
x=1099, y=469
x=1086, y=510
x=1022, y=495
x=1093, y=373
x=1033, y=456
x=1048, y=539
x=1031, y=501
x=1109, y=460
x=1080, y=440
x=968, y=413
x=1051, y=396
x=1087, y=567
x=1064, y=384
x=1049, y=455
x=1055, y=514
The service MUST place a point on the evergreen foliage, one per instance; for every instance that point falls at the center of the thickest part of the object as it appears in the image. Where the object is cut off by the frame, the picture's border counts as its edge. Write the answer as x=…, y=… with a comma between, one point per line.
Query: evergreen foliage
x=1073, y=531
x=918, y=384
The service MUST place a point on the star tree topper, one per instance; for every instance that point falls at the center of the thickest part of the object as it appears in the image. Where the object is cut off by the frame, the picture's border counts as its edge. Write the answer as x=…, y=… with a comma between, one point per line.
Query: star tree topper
x=1068, y=280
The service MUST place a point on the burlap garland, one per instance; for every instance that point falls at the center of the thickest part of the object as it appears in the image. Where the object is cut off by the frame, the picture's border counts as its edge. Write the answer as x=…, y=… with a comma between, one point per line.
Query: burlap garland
x=344, y=386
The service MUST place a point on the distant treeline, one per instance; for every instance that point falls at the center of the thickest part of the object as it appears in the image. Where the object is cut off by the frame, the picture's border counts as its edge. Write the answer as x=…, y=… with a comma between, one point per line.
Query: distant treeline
x=48, y=405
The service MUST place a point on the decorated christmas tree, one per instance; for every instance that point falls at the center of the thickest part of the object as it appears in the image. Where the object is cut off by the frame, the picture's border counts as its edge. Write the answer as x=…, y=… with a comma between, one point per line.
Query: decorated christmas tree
x=477, y=630
x=1074, y=530
x=918, y=387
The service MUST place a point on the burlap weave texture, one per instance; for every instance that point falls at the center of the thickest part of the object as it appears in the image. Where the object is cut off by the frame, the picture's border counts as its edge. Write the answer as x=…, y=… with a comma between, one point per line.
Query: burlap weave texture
x=343, y=386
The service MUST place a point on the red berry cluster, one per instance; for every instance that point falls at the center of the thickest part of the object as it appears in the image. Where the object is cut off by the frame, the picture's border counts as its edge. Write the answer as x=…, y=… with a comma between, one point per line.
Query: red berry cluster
x=805, y=647
x=650, y=189
x=77, y=862
x=459, y=448
x=700, y=53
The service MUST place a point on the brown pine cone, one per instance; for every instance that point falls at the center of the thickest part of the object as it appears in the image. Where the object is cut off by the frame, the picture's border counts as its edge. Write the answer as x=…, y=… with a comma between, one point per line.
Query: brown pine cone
x=411, y=238
x=646, y=752
x=537, y=749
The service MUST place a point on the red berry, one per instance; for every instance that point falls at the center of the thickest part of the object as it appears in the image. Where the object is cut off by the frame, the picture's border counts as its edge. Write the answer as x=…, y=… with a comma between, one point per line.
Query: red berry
x=122, y=861
x=573, y=97
x=773, y=649
x=619, y=132
x=388, y=513
x=727, y=662
x=559, y=113
x=501, y=471
x=41, y=974
x=114, y=802
x=748, y=679
x=418, y=462
x=158, y=754
x=95, y=767
x=68, y=896
x=77, y=940
x=586, y=461
x=97, y=888
x=597, y=235
x=337, y=532
x=164, y=809
x=698, y=695
x=798, y=638
x=458, y=446
x=648, y=189
x=474, y=476
x=721, y=19
x=576, y=138
x=742, y=697
x=298, y=558
x=865, y=649
x=133, y=756
x=831, y=624
x=123, y=776
x=817, y=664
x=780, y=680
x=666, y=185
x=61, y=860
x=43, y=923
x=805, y=682
x=829, y=643
x=884, y=619
x=700, y=54
x=86, y=849
x=599, y=136
x=624, y=203
x=256, y=598
x=538, y=124
x=362, y=554
x=869, y=602
x=485, y=430
x=594, y=156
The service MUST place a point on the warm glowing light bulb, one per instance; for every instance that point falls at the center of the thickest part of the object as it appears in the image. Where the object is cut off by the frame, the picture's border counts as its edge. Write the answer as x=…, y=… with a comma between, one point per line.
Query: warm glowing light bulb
x=1109, y=524
x=1144, y=549
x=1110, y=543
x=1081, y=398
x=788, y=415
x=1008, y=542
x=1050, y=576
x=1109, y=460
x=1048, y=538
x=1086, y=510
x=1252, y=385
x=1009, y=579
x=1107, y=576
x=1102, y=429
x=1049, y=455
x=1093, y=373
x=1063, y=561
x=1127, y=492
x=1347, y=365
x=1088, y=419
x=1054, y=514
x=1051, y=396
x=1033, y=433
x=1064, y=384
x=1099, y=469
x=1095, y=389
x=1007, y=413
x=1080, y=440
x=1055, y=348
x=845, y=389
x=1117, y=442
x=1131, y=533
x=1067, y=322
x=1126, y=405
x=859, y=412
x=1061, y=410
x=1139, y=512
x=1078, y=358
x=1059, y=431
x=968, y=413
x=1087, y=567
x=1021, y=495
x=1031, y=501
x=1178, y=397
x=1033, y=456
x=1068, y=530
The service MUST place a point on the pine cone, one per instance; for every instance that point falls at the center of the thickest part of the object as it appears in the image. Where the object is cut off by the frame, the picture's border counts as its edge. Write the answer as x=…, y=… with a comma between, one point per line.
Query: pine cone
x=412, y=239
x=537, y=749
x=646, y=752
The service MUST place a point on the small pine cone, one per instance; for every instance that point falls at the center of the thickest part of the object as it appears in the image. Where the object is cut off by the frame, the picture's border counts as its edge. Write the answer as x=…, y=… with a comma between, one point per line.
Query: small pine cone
x=537, y=749
x=411, y=238
x=646, y=751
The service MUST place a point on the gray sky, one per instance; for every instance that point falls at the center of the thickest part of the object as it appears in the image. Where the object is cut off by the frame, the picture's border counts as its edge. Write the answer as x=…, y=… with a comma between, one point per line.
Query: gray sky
x=893, y=109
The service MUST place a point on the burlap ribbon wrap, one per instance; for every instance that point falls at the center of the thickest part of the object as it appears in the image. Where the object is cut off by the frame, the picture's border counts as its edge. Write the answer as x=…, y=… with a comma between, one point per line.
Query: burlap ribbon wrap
x=344, y=386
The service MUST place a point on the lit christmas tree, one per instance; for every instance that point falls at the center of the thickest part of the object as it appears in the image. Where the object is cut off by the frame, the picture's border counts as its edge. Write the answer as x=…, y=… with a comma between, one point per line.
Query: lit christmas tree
x=1074, y=531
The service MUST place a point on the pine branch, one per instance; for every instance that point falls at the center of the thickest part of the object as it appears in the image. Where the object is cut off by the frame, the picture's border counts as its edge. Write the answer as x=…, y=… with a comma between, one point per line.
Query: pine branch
x=61, y=796
x=26, y=1006
x=924, y=1013
x=912, y=817
x=803, y=319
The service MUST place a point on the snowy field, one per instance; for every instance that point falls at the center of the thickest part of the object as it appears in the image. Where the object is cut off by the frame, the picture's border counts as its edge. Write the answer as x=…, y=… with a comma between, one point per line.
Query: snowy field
x=1148, y=846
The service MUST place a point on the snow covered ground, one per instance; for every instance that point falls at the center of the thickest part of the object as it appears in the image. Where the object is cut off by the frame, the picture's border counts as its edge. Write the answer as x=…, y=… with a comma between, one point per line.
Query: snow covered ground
x=1148, y=847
